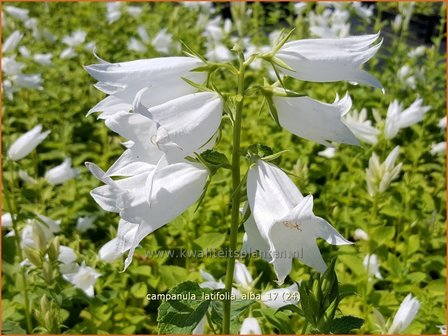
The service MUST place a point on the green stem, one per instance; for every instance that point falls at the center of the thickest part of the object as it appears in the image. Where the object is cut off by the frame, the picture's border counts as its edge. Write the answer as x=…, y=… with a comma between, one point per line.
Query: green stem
x=236, y=192
x=10, y=196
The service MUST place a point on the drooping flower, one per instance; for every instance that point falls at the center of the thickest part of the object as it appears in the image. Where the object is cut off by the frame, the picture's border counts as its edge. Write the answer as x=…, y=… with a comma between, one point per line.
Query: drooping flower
x=380, y=175
x=314, y=120
x=405, y=315
x=280, y=297
x=163, y=42
x=360, y=234
x=113, y=11
x=61, y=173
x=438, y=148
x=372, y=266
x=83, y=278
x=242, y=275
x=398, y=117
x=328, y=152
x=17, y=12
x=67, y=255
x=284, y=225
x=124, y=80
x=330, y=60
x=11, y=42
x=116, y=247
x=361, y=127
x=85, y=223
x=250, y=326
x=151, y=198
x=26, y=143
x=332, y=23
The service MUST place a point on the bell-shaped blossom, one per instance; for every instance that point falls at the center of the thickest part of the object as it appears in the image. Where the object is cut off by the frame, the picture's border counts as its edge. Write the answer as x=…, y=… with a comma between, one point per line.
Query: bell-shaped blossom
x=331, y=23
x=61, y=173
x=328, y=152
x=362, y=10
x=372, y=265
x=124, y=80
x=113, y=11
x=24, y=51
x=360, y=234
x=314, y=120
x=330, y=60
x=76, y=38
x=6, y=220
x=25, y=177
x=134, y=11
x=17, y=12
x=398, y=117
x=116, y=247
x=242, y=276
x=152, y=198
x=26, y=143
x=85, y=223
x=11, y=42
x=43, y=59
x=438, y=148
x=184, y=124
x=67, y=255
x=285, y=221
x=35, y=234
x=163, y=42
x=442, y=123
x=442, y=329
x=84, y=278
x=136, y=45
x=218, y=53
x=280, y=297
x=250, y=326
x=361, y=127
x=211, y=283
x=405, y=315
x=380, y=175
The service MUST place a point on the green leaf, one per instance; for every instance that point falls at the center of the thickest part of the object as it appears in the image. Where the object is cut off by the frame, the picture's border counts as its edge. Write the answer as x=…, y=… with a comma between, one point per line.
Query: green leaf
x=171, y=276
x=187, y=308
x=12, y=327
x=139, y=290
x=210, y=240
x=236, y=308
x=345, y=324
x=259, y=150
x=215, y=159
x=279, y=320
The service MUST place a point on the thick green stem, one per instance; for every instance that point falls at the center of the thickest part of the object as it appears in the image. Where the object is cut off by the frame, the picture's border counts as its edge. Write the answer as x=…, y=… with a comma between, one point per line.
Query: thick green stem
x=9, y=196
x=236, y=192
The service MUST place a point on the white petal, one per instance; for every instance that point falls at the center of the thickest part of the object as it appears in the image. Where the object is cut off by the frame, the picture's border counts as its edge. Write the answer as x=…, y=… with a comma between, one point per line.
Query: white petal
x=250, y=326
x=26, y=143
x=314, y=120
x=280, y=297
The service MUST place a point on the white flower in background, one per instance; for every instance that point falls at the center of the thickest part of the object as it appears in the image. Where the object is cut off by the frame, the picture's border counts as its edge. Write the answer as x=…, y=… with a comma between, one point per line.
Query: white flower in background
x=360, y=234
x=242, y=276
x=134, y=11
x=151, y=198
x=442, y=123
x=141, y=30
x=274, y=36
x=136, y=45
x=397, y=23
x=199, y=330
x=16, y=12
x=24, y=51
x=404, y=74
x=417, y=52
x=6, y=220
x=163, y=42
x=282, y=225
x=380, y=175
x=124, y=80
x=257, y=64
x=90, y=46
x=438, y=148
x=371, y=264
x=62, y=173
x=53, y=225
x=206, y=6
x=219, y=53
x=211, y=283
x=85, y=223
x=68, y=53
x=398, y=117
x=331, y=60
x=250, y=326
x=25, y=177
x=331, y=23
x=361, y=127
x=365, y=12
x=406, y=10
x=299, y=7
x=113, y=11
x=35, y=234
x=76, y=38
x=405, y=315
x=216, y=30
x=73, y=40
x=67, y=255
x=84, y=278
x=11, y=42
x=28, y=81
x=43, y=59
x=328, y=153
x=280, y=297
x=442, y=329
x=11, y=67
x=26, y=143
x=319, y=122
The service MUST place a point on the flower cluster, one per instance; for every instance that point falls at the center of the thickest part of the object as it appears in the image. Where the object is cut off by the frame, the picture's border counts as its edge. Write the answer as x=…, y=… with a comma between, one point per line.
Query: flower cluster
x=155, y=106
